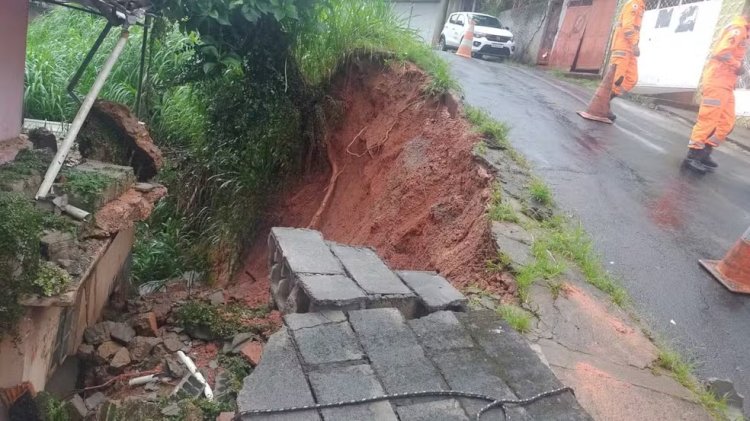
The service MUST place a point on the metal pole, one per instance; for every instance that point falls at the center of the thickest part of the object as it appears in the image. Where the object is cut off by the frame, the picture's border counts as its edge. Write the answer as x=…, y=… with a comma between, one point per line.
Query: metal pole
x=90, y=55
x=440, y=21
x=83, y=112
x=142, y=68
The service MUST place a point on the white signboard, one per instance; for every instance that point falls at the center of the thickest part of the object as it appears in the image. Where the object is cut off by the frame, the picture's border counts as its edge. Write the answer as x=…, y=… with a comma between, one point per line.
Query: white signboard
x=675, y=43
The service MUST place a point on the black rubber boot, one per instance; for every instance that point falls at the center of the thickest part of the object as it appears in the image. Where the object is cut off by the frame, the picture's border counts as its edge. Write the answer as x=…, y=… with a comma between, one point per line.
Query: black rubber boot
x=693, y=160
x=709, y=163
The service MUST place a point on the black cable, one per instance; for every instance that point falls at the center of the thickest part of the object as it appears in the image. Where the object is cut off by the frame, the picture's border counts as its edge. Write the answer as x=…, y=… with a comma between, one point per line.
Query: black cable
x=494, y=403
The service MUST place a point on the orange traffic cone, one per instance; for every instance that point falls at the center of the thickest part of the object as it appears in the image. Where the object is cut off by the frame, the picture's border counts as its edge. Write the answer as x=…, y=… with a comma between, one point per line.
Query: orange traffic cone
x=464, y=50
x=598, y=109
x=734, y=270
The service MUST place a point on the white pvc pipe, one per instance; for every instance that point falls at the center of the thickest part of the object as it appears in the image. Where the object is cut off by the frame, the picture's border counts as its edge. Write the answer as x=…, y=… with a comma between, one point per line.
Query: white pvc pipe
x=142, y=380
x=193, y=369
x=76, y=213
x=83, y=112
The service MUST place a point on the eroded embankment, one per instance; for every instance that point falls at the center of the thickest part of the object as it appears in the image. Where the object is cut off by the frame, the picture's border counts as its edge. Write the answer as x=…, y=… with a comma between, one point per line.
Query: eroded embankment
x=404, y=181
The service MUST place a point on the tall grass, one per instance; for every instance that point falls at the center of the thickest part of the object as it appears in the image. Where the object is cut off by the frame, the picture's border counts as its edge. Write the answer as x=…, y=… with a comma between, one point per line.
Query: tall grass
x=57, y=43
x=346, y=27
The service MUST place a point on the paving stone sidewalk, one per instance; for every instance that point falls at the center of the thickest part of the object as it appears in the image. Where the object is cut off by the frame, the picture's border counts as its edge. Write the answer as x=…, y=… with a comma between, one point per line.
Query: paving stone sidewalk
x=355, y=329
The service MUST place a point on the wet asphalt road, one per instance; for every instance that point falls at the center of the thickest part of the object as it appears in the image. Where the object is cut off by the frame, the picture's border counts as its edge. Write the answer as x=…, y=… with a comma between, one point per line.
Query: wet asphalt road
x=650, y=221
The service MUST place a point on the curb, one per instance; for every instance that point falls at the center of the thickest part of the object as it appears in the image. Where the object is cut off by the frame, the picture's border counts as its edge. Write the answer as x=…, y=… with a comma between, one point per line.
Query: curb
x=741, y=145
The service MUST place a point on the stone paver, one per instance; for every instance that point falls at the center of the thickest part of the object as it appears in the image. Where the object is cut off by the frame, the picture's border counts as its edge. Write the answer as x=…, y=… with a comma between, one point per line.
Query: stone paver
x=277, y=382
x=332, y=292
x=305, y=251
x=299, y=321
x=394, y=351
x=435, y=292
x=366, y=268
x=327, y=343
x=443, y=410
x=441, y=331
x=338, y=384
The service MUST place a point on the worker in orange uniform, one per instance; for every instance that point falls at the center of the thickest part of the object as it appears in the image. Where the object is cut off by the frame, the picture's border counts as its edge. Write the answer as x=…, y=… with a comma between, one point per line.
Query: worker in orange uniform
x=625, y=49
x=716, y=115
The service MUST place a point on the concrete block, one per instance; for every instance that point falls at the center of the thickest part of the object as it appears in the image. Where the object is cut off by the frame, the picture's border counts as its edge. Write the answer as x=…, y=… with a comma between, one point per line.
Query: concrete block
x=332, y=292
x=327, y=343
x=369, y=271
x=443, y=410
x=305, y=251
x=394, y=351
x=520, y=367
x=277, y=382
x=473, y=371
x=297, y=321
x=336, y=384
x=441, y=331
x=435, y=293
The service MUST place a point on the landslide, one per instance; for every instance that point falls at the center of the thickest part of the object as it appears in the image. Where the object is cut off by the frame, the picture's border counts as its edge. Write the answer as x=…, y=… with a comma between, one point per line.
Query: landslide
x=399, y=177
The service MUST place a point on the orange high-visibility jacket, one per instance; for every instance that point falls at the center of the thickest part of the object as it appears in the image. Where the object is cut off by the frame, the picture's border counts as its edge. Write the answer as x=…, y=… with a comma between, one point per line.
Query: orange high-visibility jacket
x=727, y=55
x=628, y=27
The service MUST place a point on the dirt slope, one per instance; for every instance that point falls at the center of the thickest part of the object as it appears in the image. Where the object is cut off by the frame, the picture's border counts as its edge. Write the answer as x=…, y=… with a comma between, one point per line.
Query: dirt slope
x=406, y=184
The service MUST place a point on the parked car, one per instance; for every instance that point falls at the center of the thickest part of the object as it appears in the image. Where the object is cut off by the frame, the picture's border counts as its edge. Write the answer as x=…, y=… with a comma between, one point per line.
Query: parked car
x=490, y=37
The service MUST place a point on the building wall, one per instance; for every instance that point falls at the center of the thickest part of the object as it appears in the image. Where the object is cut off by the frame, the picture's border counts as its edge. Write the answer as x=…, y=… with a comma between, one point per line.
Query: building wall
x=13, y=21
x=420, y=16
x=675, y=42
x=527, y=24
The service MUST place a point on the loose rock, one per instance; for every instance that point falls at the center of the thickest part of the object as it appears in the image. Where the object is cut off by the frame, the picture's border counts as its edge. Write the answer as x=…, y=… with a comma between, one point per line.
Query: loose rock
x=97, y=333
x=95, y=401
x=122, y=333
x=172, y=410
x=216, y=298
x=175, y=368
x=79, y=405
x=121, y=359
x=252, y=352
x=145, y=324
x=108, y=349
x=172, y=342
x=86, y=352
x=140, y=347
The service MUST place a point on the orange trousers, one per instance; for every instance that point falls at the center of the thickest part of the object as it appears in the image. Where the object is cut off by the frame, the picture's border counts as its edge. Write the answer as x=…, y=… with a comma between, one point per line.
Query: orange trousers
x=626, y=74
x=715, y=117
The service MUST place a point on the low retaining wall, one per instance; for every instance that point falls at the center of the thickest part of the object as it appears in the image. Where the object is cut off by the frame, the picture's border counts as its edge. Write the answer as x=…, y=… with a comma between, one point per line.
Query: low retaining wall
x=53, y=328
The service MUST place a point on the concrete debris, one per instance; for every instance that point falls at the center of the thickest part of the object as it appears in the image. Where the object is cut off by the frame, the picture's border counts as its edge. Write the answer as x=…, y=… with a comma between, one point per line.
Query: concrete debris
x=121, y=333
x=175, y=368
x=108, y=349
x=189, y=387
x=79, y=405
x=216, y=298
x=86, y=351
x=95, y=401
x=172, y=342
x=252, y=352
x=121, y=359
x=145, y=324
x=140, y=347
x=57, y=245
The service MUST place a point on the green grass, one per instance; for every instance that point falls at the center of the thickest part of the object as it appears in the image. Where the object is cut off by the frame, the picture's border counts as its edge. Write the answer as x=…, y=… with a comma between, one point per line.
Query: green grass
x=344, y=28
x=682, y=371
x=544, y=266
x=540, y=192
x=518, y=318
x=499, y=210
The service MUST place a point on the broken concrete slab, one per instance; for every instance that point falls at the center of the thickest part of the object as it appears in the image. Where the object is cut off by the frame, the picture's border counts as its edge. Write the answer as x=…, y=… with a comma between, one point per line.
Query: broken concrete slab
x=435, y=292
x=305, y=251
x=326, y=292
x=518, y=252
x=277, y=382
x=328, y=343
x=724, y=389
x=512, y=231
x=300, y=321
x=336, y=384
x=369, y=271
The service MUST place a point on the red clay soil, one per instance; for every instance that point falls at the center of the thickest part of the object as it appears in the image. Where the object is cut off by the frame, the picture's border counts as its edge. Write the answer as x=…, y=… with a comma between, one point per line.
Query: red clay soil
x=407, y=185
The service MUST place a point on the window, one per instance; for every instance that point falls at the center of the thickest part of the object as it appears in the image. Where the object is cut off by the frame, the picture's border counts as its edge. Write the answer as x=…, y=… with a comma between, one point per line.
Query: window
x=453, y=18
x=484, y=20
x=460, y=19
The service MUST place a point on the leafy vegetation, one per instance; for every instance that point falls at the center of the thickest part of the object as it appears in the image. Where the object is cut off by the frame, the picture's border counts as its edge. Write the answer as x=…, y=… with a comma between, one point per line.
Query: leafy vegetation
x=498, y=209
x=51, y=279
x=20, y=227
x=86, y=186
x=219, y=322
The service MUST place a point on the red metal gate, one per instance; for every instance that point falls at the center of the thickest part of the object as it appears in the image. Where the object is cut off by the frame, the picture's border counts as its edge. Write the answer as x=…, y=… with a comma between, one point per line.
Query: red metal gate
x=584, y=35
